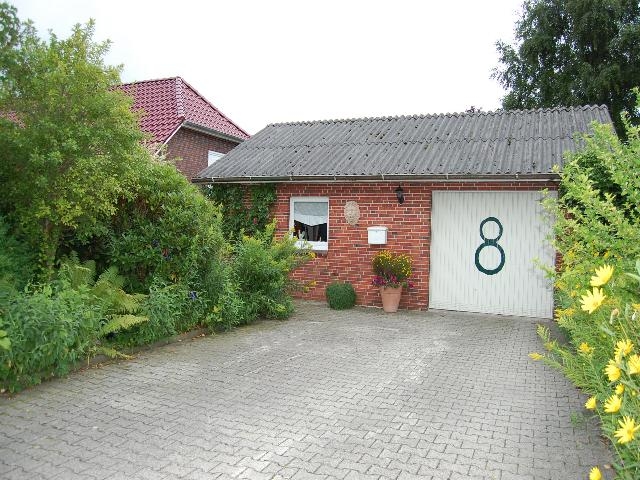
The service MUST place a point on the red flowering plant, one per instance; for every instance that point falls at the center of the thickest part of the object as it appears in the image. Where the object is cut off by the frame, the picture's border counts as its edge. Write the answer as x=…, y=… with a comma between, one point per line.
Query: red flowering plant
x=391, y=270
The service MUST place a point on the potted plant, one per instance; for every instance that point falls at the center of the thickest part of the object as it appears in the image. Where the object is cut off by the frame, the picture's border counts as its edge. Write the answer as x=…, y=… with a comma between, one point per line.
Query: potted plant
x=392, y=272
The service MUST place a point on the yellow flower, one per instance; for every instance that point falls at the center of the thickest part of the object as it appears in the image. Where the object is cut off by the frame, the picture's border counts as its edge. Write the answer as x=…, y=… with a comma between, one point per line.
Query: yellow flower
x=590, y=404
x=595, y=474
x=613, y=404
x=592, y=300
x=536, y=356
x=602, y=276
x=585, y=348
x=634, y=364
x=623, y=348
x=612, y=371
x=619, y=389
x=627, y=430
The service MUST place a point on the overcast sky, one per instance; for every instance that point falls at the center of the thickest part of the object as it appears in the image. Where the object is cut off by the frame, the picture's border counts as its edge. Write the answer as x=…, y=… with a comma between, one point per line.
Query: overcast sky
x=268, y=61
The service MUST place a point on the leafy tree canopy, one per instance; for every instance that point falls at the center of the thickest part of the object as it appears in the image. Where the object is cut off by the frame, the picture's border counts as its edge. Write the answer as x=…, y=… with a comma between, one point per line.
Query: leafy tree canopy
x=573, y=52
x=70, y=142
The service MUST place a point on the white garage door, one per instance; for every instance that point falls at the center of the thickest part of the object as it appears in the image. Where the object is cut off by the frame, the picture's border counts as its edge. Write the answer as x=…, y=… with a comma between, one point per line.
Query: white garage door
x=483, y=246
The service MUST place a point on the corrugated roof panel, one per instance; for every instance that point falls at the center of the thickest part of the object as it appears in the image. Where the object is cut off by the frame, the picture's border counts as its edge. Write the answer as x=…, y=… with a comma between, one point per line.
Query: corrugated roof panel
x=495, y=143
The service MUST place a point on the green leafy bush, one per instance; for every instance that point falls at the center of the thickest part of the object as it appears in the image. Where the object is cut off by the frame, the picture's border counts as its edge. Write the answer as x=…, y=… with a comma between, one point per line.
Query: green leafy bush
x=167, y=232
x=597, y=232
x=50, y=329
x=164, y=306
x=53, y=326
x=341, y=296
x=261, y=267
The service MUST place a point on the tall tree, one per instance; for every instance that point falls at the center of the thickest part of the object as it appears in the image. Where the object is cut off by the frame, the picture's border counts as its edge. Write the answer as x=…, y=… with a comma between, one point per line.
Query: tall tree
x=573, y=52
x=69, y=142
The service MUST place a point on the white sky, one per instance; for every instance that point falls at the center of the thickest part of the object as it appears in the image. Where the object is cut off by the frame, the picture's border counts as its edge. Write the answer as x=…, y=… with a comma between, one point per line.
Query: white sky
x=267, y=61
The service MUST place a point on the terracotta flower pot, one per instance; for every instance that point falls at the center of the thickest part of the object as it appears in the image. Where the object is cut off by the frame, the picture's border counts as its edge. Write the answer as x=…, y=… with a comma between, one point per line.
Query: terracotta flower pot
x=390, y=298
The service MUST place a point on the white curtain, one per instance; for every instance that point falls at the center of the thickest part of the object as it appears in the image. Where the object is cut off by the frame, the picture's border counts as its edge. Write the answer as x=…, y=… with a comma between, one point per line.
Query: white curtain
x=311, y=213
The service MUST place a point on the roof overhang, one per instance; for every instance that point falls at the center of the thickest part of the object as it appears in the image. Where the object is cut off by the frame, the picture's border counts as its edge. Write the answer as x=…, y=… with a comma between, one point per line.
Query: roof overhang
x=548, y=177
x=209, y=131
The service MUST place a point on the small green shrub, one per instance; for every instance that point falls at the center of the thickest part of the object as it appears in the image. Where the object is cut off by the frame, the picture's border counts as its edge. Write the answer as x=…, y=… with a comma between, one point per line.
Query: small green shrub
x=341, y=296
x=261, y=267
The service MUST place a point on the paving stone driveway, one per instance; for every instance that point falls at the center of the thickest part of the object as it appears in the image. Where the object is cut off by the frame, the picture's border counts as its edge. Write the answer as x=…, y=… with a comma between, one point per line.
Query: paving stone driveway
x=346, y=395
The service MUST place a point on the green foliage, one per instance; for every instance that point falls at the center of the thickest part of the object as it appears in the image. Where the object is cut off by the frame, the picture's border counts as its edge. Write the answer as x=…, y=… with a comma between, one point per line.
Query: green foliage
x=16, y=262
x=5, y=341
x=166, y=232
x=119, y=306
x=261, y=267
x=50, y=328
x=596, y=231
x=53, y=326
x=71, y=144
x=341, y=296
x=571, y=52
x=245, y=209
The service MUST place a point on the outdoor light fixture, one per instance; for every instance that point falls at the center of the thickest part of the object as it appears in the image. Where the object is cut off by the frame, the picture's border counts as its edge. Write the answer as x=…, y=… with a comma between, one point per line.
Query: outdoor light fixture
x=400, y=195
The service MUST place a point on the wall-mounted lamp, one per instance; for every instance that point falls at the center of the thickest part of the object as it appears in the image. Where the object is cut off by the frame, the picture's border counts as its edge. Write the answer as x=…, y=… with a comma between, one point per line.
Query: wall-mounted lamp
x=400, y=195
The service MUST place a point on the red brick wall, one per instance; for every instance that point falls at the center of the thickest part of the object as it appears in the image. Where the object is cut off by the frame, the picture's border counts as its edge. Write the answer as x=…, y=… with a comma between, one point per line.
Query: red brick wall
x=349, y=254
x=193, y=148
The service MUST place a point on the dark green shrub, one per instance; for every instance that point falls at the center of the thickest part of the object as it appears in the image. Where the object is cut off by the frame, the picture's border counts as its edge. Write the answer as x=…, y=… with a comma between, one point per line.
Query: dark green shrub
x=341, y=296
x=16, y=262
x=166, y=233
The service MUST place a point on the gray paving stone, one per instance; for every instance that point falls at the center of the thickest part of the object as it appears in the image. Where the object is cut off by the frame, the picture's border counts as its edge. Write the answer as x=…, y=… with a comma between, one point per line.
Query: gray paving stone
x=343, y=395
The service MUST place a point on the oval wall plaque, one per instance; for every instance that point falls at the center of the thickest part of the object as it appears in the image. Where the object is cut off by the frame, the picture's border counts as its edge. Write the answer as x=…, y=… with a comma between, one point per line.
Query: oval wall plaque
x=351, y=212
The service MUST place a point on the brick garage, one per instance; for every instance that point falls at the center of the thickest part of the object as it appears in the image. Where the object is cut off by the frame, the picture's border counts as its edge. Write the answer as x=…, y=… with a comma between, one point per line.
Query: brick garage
x=349, y=255
x=484, y=169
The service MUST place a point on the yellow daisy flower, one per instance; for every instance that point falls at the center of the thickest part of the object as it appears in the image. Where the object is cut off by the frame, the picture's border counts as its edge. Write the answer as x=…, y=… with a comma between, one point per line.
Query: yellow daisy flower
x=595, y=474
x=613, y=404
x=536, y=356
x=619, y=389
x=612, y=371
x=592, y=300
x=623, y=348
x=590, y=404
x=602, y=276
x=627, y=430
x=585, y=348
x=634, y=364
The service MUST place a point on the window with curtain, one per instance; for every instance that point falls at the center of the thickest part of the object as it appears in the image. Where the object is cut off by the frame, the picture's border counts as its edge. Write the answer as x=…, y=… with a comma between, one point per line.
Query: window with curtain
x=309, y=220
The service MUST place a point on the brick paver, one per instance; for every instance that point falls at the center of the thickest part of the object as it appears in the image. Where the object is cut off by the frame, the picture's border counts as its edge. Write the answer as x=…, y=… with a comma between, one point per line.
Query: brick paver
x=347, y=395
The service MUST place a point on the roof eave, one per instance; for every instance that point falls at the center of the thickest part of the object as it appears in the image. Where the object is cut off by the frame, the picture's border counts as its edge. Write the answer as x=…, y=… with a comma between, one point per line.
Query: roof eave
x=535, y=177
x=210, y=131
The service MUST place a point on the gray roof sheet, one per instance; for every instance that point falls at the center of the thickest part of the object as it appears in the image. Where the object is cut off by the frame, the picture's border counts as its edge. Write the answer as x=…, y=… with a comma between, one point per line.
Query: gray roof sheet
x=522, y=142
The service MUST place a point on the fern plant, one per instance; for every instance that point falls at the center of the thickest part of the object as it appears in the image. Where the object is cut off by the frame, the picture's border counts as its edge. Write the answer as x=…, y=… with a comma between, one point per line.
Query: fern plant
x=121, y=308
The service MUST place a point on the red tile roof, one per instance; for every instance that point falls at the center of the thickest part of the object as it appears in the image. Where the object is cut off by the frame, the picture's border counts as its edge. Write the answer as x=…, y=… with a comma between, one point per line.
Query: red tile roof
x=169, y=102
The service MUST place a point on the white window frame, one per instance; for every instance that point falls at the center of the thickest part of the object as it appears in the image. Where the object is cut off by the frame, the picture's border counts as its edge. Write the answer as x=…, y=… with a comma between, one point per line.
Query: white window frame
x=213, y=156
x=317, y=246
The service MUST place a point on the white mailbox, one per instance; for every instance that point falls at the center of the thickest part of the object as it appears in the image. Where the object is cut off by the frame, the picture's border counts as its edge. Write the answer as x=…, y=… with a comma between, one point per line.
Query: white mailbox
x=377, y=235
